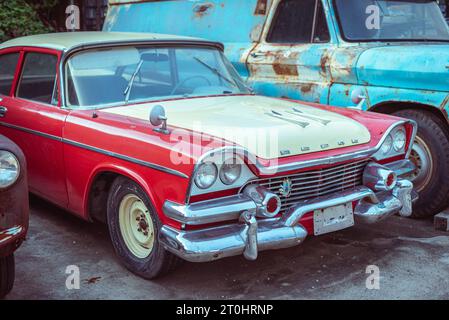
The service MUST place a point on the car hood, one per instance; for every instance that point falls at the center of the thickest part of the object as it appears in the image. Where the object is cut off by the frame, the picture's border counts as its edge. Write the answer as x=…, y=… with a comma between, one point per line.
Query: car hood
x=409, y=66
x=268, y=128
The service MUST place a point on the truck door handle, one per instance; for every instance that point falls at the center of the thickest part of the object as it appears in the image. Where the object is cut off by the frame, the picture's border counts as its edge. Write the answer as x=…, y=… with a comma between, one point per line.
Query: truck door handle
x=257, y=54
x=3, y=111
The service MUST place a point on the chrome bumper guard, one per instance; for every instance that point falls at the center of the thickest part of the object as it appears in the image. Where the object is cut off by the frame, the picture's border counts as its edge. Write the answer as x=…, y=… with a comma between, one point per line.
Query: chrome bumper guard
x=249, y=236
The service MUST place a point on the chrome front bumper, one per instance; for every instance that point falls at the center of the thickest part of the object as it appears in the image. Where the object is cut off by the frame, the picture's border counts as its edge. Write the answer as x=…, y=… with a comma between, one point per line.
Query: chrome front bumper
x=249, y=235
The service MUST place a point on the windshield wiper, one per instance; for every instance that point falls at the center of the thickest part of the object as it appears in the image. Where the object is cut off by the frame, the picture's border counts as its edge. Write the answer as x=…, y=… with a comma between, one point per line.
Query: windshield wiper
x=127, y=92
x=217, y=72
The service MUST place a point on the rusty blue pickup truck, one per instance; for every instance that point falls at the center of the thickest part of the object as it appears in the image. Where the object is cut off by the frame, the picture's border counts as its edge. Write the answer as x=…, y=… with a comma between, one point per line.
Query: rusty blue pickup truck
x=387, y=56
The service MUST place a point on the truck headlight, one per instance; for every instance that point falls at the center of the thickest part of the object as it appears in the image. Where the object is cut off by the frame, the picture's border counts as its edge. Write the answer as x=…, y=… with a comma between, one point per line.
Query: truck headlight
x=9, y=169
x=206, y=175
x=230, y=171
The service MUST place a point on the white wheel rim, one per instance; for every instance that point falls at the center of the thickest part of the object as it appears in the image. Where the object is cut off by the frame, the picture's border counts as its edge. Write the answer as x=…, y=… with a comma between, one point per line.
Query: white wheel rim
x=136, y=226
x=423, y=160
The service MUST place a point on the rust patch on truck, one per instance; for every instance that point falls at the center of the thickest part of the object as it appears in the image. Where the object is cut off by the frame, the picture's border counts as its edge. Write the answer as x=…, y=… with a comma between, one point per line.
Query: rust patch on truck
x=324, y=62
x=202, y=10
x=307, y=88
x=285, y=69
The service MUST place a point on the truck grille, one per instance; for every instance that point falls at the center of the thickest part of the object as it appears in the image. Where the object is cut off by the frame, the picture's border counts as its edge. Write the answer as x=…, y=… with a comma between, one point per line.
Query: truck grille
x=311, y=184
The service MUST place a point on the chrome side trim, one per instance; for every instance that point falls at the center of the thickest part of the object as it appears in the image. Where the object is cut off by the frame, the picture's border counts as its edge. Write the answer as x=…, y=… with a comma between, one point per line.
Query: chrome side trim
x=30, y=131
x=98, y=150
x=126, y=158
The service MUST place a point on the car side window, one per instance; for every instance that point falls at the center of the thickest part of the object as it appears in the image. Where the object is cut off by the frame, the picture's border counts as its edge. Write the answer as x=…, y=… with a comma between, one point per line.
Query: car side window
x=8, y=64
x=38, y=79
x=299, y=21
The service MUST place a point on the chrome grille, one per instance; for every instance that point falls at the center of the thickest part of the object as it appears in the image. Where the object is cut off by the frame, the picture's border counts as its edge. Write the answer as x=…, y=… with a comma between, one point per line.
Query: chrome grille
x=311, y=184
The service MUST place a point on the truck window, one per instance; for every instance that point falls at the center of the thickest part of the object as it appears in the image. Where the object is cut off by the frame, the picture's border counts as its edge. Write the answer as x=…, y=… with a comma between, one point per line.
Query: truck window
x=299, y=21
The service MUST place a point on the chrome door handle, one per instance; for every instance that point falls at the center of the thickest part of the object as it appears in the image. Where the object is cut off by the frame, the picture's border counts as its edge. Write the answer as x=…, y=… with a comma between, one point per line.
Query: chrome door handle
x=3, y=111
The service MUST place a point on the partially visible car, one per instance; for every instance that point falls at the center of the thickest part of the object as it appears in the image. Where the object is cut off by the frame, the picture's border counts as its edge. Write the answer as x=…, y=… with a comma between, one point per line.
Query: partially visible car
x=14, y=209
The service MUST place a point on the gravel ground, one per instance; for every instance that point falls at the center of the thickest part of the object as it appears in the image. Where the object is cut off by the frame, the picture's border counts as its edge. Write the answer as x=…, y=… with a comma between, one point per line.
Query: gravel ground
x=412, y=257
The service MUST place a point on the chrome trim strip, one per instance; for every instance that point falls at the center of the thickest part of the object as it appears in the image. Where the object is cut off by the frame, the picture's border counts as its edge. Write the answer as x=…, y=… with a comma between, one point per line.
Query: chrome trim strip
x=126, y=158
x=98, y=150
x=30, y=131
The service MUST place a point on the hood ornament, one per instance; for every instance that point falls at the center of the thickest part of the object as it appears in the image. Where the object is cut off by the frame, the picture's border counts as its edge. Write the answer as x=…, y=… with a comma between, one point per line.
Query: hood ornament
x=286, y=188
x=158, y=118
x=280, y=116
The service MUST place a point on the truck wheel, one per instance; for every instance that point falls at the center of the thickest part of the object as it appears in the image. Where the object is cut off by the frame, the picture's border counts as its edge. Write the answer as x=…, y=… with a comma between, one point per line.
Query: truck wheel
x=430, y=154
x=7, y=274
x=134, y=228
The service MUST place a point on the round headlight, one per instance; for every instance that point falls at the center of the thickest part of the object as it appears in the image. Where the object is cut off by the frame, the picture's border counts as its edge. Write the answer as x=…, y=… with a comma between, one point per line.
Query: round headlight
x=400, y=140
x=230, y=171
x=9, y=169
x=387, y=145
x=206, y=175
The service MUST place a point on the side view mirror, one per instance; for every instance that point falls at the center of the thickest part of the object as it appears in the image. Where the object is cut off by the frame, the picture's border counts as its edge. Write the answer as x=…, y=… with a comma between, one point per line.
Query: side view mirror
x=159, y=119
x=358, y=98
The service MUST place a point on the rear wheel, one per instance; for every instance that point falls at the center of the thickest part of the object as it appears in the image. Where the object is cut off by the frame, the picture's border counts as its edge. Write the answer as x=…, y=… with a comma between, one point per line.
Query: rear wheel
x=430, y=154
x=7, y=274
x=134, y=229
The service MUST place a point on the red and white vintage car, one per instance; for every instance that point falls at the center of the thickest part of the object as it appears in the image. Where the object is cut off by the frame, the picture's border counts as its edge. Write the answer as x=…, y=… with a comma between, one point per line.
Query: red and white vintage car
x=159, y=137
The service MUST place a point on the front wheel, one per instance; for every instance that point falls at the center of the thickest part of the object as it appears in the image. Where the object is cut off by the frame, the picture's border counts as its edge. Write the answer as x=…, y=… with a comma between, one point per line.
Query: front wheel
x=430, y=154
x=134, y=228
x=7, y=275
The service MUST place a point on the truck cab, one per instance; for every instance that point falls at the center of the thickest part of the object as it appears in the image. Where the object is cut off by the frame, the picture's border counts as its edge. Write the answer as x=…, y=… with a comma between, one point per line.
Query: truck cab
x=394, y=55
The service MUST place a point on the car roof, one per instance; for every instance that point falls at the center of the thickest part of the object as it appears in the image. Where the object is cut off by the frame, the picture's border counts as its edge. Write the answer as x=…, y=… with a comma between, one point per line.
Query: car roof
x=65, y=41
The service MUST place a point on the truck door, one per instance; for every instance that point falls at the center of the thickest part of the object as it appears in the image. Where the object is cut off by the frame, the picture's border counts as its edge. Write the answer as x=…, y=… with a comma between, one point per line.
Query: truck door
x=291, y=60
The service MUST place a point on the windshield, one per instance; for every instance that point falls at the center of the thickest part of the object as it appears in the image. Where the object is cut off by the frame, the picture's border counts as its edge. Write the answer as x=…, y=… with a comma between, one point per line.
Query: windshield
x=122, y=75
x=382, y=20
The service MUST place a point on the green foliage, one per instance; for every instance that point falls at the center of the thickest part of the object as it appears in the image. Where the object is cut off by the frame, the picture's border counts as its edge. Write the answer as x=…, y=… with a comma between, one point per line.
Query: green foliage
x=21, y=18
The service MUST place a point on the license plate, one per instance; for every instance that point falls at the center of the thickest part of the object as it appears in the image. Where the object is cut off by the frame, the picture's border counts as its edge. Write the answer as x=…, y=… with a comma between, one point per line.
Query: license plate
x=333, y=219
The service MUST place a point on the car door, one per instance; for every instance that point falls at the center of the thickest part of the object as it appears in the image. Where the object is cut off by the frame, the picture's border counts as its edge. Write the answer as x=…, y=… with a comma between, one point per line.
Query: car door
x=291, y=59
x=32, y=118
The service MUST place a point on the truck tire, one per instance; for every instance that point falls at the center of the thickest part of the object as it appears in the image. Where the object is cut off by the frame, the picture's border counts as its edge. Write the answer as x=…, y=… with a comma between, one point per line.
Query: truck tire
x=134, y=228
x=7, y=274
x=431, y=156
